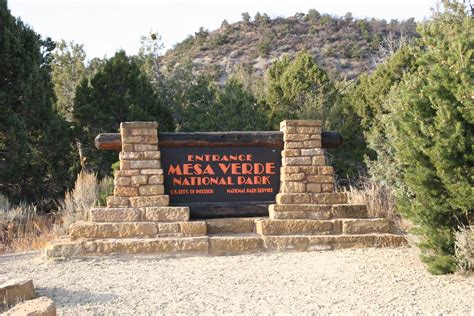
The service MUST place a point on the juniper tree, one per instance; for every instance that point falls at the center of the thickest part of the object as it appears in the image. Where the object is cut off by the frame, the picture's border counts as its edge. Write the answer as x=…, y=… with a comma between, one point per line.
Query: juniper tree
x=237, y=109
x=430, y=126
x=298, y=89
x=369, y=100
x=118, y=92
x=68, y=69
x=36, y=147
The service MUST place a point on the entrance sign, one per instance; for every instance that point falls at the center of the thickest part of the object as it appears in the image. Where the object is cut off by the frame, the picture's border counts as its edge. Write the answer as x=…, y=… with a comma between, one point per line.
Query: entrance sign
x=221, y=174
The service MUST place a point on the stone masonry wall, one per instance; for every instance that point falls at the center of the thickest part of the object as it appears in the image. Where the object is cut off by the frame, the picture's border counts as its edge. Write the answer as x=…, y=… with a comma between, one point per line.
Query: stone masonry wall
x=305, y=177
x=139, y=182
x=303, y=162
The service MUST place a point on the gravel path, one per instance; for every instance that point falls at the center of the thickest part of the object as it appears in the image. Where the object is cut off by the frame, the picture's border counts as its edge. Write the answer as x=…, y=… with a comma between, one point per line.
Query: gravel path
x=335, y=282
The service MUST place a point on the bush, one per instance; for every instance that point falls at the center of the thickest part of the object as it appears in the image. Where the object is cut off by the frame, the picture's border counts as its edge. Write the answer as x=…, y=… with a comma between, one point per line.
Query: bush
x=298, y=89
x=106, y=188
x=77, y=203
x=36, y=145
x=22, y=228
x=429, y=126
x=369, y=100
x=379, y=198
x=464, y=248
x=264, y=46
x=118, y=92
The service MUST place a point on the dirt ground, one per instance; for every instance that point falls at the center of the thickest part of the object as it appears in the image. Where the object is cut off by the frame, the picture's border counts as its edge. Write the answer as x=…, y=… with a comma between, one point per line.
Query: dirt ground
x=332, y=282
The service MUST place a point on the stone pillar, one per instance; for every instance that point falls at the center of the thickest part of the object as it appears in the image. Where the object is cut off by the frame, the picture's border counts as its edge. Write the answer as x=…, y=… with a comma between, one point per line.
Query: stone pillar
x=139, y=182
x=306, y=180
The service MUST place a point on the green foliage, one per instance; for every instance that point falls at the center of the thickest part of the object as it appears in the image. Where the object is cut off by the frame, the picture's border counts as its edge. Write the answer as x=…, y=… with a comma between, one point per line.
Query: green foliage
x=237, y=110
x=347, y=160
x=119, y=92
x=261, y=19
x=106, y=189
x=196, y=105
x=430, y=125
x=264, y=45
x=246, y=17
x=218, y=39
x=36, y=153
x=225, y=24
x=149, y=54
x=200, y=105
x=344, y=48
x=369, y=101
x=313, y=15
x=68, y=69
x=363, y=27
x=298, y=89
x=325, y=19
x=201, y=35
x=348, y=17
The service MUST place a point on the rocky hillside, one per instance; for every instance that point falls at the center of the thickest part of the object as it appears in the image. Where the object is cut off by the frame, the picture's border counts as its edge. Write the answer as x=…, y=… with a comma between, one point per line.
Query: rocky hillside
x=343, y=46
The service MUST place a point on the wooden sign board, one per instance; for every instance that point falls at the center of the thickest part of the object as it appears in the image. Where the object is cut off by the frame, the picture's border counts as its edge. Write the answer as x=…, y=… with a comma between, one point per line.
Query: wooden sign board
x=226, y=174
x=221, y=174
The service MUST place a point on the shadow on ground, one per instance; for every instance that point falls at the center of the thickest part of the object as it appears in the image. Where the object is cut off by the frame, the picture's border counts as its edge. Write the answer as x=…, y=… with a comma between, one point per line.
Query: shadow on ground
x=65, y=297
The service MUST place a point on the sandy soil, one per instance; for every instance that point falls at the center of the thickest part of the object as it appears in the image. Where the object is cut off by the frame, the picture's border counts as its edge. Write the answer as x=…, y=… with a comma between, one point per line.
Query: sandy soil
x=335, y=282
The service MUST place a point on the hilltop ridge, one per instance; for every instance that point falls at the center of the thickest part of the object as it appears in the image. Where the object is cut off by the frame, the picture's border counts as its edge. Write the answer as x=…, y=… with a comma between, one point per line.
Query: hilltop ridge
x=345, y=47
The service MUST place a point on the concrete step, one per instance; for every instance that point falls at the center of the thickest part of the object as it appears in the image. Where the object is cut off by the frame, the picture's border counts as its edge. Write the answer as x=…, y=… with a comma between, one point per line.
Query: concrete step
x=92, y=230
x=333, y=242
x=365, y=226
x=218, y=245
x=67, y=248
x=130, y=214
x=243, y=243
x=315, y=211
x=312, y=198
x=321, y=227
x=231, y=225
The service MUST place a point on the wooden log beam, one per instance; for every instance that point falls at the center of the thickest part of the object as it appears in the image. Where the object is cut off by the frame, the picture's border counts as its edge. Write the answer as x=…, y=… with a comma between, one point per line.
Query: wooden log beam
x=205, y=210
x=112, y=141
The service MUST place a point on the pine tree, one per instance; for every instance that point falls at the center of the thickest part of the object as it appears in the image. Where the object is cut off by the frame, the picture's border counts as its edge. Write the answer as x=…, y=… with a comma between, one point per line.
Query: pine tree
x=369, y=100
x=245, y=17
x=200, y=105
x=36, y=150
x=118, y=92
x=430, y=126
x=237, y=109
x=68, y=69
x=298, y=89
x=348, y=160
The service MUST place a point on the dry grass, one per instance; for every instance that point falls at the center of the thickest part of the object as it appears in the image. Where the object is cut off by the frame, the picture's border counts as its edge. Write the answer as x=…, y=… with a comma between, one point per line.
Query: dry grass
x=22, y=228
x=76, y=203
x=380, y=201
x=379, y=198
x=106, y=188
x=464, y=248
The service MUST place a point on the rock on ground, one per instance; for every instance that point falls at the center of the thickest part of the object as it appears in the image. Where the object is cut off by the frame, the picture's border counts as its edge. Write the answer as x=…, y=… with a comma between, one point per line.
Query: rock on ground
x=337, y=282
x=41, y=306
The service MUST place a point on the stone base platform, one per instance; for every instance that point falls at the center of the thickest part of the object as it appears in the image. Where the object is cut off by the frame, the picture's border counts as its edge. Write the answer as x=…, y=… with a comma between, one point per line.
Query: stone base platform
x=218, y=245
x=169, y=230
x=92, y=230
x=322, y=227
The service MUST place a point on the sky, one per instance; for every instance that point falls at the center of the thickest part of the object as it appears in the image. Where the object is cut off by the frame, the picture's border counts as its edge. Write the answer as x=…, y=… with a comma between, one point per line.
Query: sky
x=105, y=26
